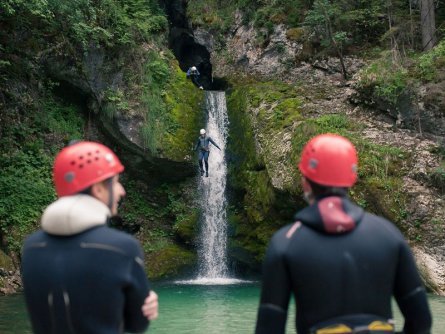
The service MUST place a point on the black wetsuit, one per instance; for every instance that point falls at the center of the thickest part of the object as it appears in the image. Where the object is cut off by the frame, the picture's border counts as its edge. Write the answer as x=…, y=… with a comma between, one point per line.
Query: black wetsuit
x=203, y=143
x=194, y=75
x=338, y=260
x=90, y=283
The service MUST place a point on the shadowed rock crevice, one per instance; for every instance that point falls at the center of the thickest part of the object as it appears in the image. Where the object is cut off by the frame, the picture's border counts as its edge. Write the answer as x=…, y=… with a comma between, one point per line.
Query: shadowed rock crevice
x=185, y=47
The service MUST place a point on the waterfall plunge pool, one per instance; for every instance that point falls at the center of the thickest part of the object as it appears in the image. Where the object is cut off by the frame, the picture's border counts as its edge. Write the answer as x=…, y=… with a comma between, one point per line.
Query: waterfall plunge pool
x=199, y=309
x=212, y=303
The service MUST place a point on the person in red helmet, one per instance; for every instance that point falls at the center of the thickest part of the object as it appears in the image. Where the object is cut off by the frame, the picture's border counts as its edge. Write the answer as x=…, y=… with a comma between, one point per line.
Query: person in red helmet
x=79, y=275
x=342, y=264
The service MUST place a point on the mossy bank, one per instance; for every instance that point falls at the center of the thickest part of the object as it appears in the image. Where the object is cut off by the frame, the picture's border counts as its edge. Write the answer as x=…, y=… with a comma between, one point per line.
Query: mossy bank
x=270, y=123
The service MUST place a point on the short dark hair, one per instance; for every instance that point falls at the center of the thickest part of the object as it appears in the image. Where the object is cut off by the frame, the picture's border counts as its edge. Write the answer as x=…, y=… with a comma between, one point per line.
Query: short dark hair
x=318, y=189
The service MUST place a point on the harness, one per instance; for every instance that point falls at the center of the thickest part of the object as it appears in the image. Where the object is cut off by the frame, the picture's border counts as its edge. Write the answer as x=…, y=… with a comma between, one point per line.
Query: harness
x=355, y=324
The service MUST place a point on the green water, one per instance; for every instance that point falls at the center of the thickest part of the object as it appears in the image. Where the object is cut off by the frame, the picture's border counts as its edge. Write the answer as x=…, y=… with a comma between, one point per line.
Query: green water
x=197, y=309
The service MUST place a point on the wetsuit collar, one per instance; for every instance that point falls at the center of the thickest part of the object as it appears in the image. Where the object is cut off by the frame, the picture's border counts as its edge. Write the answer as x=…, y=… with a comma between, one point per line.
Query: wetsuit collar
x=332, y=214
x=74, y=214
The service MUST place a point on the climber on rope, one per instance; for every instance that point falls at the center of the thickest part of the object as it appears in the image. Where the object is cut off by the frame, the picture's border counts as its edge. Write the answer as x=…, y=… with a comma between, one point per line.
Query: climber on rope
x=203, y=144
x=341, y=264
x=194, y=74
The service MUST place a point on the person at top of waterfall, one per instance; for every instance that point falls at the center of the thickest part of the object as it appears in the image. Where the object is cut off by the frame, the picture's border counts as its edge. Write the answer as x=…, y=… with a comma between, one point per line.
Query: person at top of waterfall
x=79, y=275
x=341, y=263
x=194, y=74
x=203, y=147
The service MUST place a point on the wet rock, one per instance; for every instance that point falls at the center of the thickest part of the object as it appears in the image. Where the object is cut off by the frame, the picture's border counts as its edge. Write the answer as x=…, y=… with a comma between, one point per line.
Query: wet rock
x=10, y=282
x=432, y=268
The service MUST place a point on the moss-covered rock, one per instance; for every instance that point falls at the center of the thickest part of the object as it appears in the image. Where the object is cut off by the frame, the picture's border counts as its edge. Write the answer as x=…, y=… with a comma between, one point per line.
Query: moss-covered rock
x=259, y=209
x=296, y=34
x=270, y=124
x=186, y=226
x=169, y=261
x=184, y=106
x=164, y=219
x=6, y=262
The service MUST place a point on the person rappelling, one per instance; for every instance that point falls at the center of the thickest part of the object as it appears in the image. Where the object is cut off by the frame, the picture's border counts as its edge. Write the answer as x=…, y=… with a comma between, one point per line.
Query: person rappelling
x=202, y=145
x=194, y=74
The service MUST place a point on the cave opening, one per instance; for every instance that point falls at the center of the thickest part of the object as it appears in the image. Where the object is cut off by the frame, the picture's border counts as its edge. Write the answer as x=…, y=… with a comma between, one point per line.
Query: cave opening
x=185, y=48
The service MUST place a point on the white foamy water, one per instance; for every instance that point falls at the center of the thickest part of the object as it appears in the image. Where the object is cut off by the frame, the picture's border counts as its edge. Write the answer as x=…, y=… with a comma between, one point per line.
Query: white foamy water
x=213, y=281
x=213, y=238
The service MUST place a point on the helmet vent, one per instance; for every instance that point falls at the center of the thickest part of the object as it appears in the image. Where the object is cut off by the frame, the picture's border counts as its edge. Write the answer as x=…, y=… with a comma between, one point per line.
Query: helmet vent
x=69, y=177
x=83, y=164
x=313, y=163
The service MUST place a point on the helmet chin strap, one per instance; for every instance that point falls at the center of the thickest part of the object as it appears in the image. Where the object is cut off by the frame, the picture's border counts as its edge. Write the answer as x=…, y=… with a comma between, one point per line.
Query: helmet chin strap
x=111, y=194
x=308, y=197
x=307, y=191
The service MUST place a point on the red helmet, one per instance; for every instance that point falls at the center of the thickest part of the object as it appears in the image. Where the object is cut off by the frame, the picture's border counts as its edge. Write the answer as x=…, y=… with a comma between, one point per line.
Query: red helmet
x=329, y=160
x=83, y=164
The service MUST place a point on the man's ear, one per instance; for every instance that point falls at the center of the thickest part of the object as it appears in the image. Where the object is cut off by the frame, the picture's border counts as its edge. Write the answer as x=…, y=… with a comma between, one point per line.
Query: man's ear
x=306, y=185
x=97, y=190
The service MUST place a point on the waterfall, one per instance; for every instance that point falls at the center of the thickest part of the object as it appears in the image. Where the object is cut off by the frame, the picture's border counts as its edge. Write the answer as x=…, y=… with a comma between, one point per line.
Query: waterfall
x=212, y=252
x=213, y=239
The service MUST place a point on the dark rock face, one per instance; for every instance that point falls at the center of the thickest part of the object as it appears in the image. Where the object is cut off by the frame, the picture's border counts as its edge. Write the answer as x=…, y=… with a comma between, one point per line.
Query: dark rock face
x=190, y=49
x=87, y=88
x=140, y=162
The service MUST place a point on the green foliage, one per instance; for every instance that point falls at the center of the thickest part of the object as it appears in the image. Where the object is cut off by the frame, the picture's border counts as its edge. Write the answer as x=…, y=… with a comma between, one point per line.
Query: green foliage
x=183, y=104
x=114, y=101
x=387, y=79
x=220, y=16
x=26, y=163
x=437, y=178
x=157, y=119
x=109, y=22
x=171, y=104
x=186, y=225
x=430, y=63
x=81, y=22
x=61, y=120
x=26, y=187
x=211, y=13
x=362, y=20
x=165, y=219
x=322, y=19
x=135, y=208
